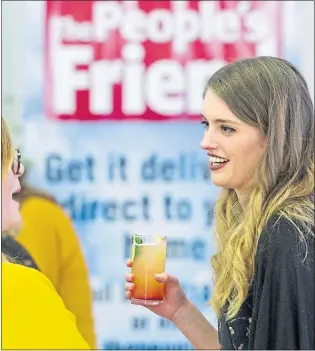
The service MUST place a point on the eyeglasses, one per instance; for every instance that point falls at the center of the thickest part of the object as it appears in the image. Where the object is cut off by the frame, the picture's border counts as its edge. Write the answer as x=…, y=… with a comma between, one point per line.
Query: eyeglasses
x=16, y=164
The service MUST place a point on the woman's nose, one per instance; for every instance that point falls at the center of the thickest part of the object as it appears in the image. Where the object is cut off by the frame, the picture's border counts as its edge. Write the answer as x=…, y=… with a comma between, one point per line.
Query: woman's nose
x=209, y=140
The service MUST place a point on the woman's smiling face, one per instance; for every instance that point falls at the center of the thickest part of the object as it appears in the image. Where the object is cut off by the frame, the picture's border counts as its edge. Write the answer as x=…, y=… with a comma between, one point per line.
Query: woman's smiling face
x=233, y=146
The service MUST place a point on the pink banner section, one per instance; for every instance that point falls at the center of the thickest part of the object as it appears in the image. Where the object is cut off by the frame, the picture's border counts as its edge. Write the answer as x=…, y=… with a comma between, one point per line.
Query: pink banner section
x=146, y=60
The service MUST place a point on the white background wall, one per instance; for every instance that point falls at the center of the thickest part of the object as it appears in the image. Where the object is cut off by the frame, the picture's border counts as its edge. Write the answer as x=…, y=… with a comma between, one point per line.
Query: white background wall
x=13, y=67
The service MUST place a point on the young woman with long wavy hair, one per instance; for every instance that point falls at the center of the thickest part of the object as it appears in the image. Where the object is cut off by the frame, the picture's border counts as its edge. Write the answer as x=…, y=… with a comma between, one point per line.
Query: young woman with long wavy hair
x=259, y=136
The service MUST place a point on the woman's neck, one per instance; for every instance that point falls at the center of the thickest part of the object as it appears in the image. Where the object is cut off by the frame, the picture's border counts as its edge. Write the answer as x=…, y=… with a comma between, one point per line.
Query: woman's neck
x=243, y=198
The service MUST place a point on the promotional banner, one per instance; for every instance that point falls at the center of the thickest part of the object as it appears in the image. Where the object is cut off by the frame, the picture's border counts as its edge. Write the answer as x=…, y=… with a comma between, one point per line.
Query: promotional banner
x=116, y=133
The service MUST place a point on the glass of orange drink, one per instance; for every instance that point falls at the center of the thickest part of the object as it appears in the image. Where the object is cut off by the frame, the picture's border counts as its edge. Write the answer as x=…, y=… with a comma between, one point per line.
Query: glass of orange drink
x=148, y=256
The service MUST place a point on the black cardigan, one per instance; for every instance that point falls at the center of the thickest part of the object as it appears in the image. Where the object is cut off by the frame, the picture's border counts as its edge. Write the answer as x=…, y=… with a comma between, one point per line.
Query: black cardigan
x=279, y=310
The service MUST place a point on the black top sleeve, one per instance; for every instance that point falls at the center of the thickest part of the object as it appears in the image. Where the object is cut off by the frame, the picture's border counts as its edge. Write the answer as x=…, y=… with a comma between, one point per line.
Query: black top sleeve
x=283, y=289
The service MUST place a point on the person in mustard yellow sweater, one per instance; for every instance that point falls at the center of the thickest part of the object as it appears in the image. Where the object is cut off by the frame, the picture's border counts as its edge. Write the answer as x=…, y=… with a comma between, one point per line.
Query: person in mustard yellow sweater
x=48, y=235
x=34, y=316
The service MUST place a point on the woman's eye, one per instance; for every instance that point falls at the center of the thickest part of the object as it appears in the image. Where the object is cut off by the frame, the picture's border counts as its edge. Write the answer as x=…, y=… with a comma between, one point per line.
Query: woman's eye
x=228, y=130
x=205, y=124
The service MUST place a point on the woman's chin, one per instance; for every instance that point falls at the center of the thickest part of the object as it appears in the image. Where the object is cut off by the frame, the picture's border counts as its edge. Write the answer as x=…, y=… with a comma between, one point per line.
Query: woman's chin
x=16, y=204
x=15, y=219
x=218, y=182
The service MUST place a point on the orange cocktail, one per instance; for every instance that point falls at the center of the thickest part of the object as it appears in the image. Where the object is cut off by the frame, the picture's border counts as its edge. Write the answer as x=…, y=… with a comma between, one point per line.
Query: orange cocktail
x=148, y=254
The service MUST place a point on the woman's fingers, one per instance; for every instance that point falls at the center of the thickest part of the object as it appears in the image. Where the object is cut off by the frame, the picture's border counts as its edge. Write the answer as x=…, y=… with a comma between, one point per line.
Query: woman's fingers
x=166, y=279
x=129, y=262
x=129, y=286
x=128, y=294
x=129, y=277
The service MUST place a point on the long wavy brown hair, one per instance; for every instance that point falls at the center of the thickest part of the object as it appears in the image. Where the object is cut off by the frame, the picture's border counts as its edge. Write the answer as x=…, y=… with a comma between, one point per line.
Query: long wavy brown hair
x=272, y=95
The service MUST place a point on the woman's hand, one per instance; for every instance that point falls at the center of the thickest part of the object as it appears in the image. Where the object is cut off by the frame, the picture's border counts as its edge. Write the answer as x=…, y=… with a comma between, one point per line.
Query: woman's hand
x=174, y=297
x=179, y=310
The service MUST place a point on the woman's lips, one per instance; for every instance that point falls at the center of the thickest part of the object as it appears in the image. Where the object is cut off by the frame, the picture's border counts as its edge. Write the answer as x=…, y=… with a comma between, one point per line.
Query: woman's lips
x=216, y=166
